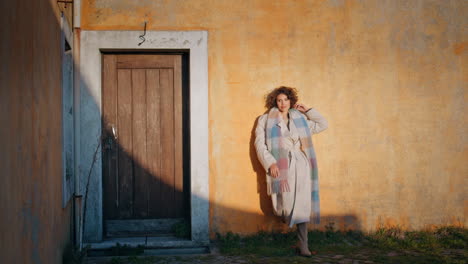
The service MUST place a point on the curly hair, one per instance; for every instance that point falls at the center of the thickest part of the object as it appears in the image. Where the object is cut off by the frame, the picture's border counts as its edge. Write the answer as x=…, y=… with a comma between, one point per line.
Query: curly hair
x=290, y=92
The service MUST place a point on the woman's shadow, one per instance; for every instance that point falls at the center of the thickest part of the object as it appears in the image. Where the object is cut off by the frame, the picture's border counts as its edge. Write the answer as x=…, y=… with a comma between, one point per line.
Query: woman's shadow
x=265, y=201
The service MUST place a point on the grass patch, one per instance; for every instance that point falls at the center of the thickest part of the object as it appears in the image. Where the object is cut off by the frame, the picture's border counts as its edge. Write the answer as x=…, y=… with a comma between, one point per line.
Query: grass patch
x=72, y=255
x=440, y=239
x=390, y=245
x=262, y=243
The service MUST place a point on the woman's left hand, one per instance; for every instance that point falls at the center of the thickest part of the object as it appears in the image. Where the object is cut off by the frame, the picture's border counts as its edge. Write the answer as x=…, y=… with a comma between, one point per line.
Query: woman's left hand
x=302, y=108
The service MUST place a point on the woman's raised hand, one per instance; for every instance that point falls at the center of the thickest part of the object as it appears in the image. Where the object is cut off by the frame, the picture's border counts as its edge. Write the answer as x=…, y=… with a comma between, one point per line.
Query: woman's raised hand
x=302, y=108
x=274, y=171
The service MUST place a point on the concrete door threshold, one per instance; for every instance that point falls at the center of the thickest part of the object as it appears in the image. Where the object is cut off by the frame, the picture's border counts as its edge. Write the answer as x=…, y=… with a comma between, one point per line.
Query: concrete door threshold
x=146, y=246
x=156, y=242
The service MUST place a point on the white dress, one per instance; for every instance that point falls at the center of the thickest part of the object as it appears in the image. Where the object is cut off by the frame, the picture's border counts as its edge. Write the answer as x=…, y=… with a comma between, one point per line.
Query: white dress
x=295, y=206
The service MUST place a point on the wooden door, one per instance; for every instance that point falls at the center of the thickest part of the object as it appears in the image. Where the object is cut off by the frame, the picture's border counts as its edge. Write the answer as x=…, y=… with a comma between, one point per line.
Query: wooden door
x=142, y=136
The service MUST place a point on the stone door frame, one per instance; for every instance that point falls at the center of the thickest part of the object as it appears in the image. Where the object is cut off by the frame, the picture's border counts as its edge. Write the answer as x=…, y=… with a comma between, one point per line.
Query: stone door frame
x=89, y=122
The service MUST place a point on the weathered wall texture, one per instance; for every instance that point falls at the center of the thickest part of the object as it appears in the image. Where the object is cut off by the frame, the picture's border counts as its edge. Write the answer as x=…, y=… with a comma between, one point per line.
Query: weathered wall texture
x=390, y=76
x=33, y=226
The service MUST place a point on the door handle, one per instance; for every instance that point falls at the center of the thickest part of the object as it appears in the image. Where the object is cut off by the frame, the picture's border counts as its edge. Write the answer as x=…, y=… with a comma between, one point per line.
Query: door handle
x=109, y=140
x=114, y=132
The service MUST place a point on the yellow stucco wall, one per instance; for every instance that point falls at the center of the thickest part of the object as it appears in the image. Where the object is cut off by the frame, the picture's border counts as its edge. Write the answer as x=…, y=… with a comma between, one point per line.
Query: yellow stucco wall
x=390, y=76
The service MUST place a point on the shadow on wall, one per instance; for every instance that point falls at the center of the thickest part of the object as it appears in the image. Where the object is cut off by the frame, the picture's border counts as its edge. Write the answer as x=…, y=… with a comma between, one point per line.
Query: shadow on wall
x=265, y=201
x=166, y=201
x=144, y=189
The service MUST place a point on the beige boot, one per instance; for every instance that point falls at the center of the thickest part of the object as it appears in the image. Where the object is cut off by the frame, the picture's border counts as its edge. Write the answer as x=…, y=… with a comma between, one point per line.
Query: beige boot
x=303, y=244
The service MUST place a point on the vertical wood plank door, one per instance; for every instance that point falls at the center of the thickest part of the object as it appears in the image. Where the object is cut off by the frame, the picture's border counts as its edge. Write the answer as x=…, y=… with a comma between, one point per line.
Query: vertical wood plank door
x=142, y=137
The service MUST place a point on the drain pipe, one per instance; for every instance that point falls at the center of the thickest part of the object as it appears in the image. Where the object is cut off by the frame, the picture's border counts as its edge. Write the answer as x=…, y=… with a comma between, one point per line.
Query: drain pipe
x=76, y=106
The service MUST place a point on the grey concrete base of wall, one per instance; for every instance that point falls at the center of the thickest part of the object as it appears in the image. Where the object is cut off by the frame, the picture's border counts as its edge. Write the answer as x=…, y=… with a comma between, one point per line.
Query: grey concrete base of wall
x=89, y=131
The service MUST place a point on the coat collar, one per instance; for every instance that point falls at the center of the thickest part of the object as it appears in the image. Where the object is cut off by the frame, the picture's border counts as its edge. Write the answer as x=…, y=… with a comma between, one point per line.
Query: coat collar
x=284, y=126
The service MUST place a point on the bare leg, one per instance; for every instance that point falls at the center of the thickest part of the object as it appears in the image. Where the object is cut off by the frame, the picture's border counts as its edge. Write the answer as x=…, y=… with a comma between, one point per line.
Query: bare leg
x=303, y=240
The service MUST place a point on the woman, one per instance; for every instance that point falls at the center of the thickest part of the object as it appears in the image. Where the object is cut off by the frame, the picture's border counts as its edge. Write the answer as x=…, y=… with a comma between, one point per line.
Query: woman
x=284, y=147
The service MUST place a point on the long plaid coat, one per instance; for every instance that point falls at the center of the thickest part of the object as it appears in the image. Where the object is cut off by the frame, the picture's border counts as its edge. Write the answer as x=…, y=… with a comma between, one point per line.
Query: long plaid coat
x=294, y=206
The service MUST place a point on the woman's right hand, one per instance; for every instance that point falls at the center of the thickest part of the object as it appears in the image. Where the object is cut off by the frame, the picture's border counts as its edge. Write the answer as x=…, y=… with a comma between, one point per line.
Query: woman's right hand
x=274, y=171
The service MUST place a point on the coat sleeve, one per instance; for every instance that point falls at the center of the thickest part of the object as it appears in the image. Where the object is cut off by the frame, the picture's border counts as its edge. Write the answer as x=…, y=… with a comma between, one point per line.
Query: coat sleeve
x=317, y=123
x=265, y=157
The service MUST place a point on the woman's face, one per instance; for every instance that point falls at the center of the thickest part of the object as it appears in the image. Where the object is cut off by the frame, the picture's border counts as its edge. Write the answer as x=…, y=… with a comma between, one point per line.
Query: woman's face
x=283, y=102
